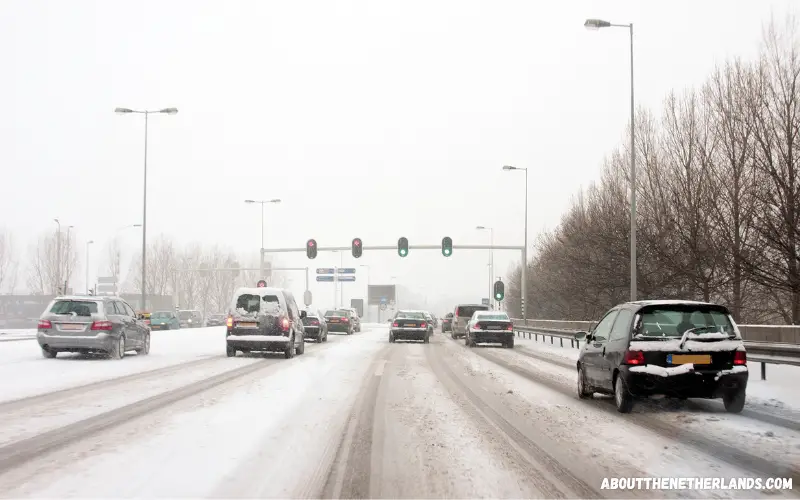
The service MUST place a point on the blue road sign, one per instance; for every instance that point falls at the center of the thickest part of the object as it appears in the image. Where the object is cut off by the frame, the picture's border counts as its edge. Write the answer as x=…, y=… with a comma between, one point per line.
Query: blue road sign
x=347, y=278
x=325, y=270
x=324, y=278
x=347, y=270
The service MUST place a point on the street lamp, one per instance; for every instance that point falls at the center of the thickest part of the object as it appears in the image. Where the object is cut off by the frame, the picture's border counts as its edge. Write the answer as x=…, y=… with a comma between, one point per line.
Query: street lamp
x=262, y=203
x=87, y=265
x=146, y=113
x=596, y=24
x=491, y=253
x=524, y=292
x=66, y=266
x=58, y=254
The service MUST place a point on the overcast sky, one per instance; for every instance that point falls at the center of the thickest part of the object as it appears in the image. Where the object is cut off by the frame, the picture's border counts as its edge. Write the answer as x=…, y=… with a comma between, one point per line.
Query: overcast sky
x=374, y=119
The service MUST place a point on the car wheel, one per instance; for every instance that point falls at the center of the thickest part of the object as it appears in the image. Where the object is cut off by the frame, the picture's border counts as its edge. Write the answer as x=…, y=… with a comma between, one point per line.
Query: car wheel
x=734, y=401
x=49, y=354
x=510, y=343
x=583, y=391
x=427, y=339
x=118, y=349
x=288, y=353
x=391, y=338
x=622, y=397
x=230, y=351
x=145, y=349
x=301, y=348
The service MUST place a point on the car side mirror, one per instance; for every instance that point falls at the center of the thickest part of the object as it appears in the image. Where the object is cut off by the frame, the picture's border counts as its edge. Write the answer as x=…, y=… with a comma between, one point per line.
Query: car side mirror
x=140, y=316
x=582, y=335
x=303, y=315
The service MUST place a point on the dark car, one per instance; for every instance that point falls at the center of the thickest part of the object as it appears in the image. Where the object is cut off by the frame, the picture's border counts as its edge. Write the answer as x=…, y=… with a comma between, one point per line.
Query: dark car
x=265, y=319
x=447, y=323
x=490, y=327
x=679, y=349
x=190, y=318
x=410, y=325
x=89, y=324
x=215, y=320
x=315, y=326
x=340, y=320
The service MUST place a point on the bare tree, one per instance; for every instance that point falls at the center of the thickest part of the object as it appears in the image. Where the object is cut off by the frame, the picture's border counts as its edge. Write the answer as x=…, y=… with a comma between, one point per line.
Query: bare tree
x=8, y=264
x=114, y=257
x=44, y=273
x=162, y=260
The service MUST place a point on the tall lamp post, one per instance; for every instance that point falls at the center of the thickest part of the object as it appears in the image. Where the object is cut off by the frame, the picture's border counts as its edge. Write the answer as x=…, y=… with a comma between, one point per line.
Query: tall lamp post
x=491, y=256
x=261, y=250
x=365, y=265
x=146, y=113
x=524, y=292
x=66, y=264
x=596, y=24
x=87, y=265
x=58, y=255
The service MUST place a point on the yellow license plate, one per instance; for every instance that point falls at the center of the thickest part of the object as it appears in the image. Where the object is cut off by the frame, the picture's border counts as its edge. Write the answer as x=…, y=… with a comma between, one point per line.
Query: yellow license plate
x=333, y=320
x=697, y=359
x=411, y=324
x=248, y=325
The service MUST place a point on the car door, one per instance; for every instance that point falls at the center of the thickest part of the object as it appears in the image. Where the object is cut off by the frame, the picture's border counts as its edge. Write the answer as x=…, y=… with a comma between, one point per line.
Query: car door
x=595, y=350
x=615, y=348
x=141, y=327
x=122, y=319
x=134, y=333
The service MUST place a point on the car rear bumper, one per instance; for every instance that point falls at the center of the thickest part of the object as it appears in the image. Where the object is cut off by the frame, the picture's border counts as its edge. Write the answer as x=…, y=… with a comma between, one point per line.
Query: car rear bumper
x=694, y=384
x=162, y=326
x=258, y=342
x=99, y=342
x=312, y=331
x=410, y=333
x=491, y=336
x=339, y=327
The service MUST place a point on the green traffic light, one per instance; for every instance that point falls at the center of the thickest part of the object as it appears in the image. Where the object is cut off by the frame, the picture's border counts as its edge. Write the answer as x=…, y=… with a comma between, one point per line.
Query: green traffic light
x=498, y=296
x=402, y=252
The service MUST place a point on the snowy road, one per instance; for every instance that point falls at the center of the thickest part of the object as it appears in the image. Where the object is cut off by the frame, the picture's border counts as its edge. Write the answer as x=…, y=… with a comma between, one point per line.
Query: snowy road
x=356, y=417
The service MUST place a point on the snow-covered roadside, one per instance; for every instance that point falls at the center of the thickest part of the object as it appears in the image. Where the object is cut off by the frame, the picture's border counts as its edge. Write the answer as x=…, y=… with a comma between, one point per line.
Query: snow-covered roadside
x=782, y=445
x=257, y=438
x=600, y=436
x=778, y=394
x=17, y=334
x=25, y=372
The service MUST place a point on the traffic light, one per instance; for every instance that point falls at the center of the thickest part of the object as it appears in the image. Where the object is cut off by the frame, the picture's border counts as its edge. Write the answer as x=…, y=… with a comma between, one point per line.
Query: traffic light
x=402, y=246
x=311, y=249
x=356, y=247
x=447, y=246
x=499, y=290
x=261, y=284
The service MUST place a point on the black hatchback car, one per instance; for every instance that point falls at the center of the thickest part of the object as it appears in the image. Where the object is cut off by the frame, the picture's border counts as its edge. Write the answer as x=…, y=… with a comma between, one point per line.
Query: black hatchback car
x=679, y=349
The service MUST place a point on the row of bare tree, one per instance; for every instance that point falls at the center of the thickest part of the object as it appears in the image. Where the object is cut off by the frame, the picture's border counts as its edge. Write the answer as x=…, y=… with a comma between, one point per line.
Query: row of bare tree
x=718, y=188
x=201, y=277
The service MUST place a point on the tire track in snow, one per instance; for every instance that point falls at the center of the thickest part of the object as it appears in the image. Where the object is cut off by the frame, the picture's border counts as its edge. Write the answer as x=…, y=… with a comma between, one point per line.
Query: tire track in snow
x=729, y=454
x=543, y=467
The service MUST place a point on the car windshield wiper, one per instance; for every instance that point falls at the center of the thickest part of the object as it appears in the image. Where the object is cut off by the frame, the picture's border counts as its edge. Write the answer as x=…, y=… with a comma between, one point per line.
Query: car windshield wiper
x=703, y=329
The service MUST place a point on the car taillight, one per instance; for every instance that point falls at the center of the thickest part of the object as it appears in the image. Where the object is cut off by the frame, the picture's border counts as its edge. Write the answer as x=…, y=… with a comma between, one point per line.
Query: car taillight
x=395, y=324
x=510, y=328
x=45, y=324
x=229, y=322
x=423, y=325
x=314, y=322
x=633, y=358
x=102, y=325
x=285, y=324
x=345, y=320
x=739, y=358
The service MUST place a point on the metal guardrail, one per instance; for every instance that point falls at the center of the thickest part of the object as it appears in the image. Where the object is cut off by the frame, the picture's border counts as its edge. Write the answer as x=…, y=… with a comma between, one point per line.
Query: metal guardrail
x=760, y=352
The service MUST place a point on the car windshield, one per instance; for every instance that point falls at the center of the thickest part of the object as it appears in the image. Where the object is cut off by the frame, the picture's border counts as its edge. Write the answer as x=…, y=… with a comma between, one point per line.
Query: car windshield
x=77, y=307
x=409, y=315
x=161, y=315
x=185, y=314
x=468, y=311
x=250, y=303
x=337, y=312
x=675, y=320
x=493, y=316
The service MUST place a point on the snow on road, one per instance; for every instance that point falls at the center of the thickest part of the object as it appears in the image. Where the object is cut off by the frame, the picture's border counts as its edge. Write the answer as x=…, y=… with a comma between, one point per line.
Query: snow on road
x=26, y=373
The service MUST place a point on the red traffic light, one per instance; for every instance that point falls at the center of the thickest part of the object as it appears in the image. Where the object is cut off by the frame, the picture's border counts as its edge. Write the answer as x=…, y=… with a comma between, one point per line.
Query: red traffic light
x=356, y=248
x=357, y=242
x=311, y=243
x=311, y=248
x=261, y=284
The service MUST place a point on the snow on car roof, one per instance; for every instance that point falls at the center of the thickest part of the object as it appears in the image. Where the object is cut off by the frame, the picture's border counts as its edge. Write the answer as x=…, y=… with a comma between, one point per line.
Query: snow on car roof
x=667, y=302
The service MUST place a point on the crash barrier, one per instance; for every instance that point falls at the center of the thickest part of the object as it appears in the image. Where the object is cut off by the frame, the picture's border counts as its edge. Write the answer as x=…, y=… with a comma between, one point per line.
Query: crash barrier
x=760, y=352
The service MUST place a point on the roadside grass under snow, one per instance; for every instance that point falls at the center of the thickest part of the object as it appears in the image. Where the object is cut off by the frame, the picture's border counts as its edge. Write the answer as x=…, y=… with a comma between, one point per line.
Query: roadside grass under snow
x=26, y=373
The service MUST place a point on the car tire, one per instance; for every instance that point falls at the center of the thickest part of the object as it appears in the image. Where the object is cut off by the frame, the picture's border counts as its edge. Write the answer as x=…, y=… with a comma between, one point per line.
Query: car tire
x=584, y=391
x=427, y=339
x=391, y=338
x=301, y=349
x=47, y=353
x=118, y=349
x=145, y=349
x=288, y=353
x=510, y=343
x=230, y=351
x=622, y=396
x=734, y=401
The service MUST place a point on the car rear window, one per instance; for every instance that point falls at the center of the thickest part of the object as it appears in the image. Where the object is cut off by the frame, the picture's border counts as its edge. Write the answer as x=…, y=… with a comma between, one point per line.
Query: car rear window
x=161, y=314
x=338, y=312
x=674, y=320
x=79, y=307
x=252, y=303
x=409, y=315
x=498, y=317
x=468, y=311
